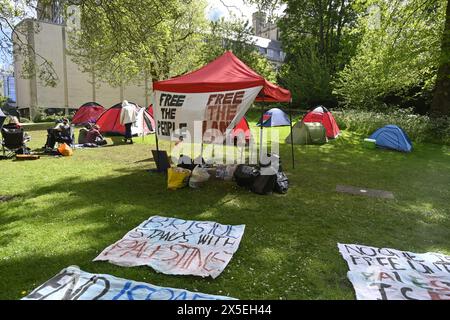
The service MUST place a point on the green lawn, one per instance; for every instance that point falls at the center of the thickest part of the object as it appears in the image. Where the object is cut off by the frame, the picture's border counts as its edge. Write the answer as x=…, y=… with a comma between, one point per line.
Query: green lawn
x=67, y=210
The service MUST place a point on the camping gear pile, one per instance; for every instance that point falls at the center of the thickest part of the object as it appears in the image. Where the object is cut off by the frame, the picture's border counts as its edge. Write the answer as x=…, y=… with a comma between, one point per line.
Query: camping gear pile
x=263, y=179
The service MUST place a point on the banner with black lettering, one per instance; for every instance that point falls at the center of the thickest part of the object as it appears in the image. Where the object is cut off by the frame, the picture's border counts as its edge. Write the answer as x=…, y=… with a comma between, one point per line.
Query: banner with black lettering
x=74, y=284
x=390, y=274
x=200, y=115
x=176, y=246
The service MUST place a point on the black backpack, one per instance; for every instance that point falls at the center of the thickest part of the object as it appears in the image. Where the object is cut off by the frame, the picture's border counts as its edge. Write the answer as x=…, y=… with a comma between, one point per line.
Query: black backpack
x=245, y=175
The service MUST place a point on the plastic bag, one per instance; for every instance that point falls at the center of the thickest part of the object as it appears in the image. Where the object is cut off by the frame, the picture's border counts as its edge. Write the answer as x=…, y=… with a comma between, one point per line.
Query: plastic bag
x=199, y=175
x=177, y=178
x=65, y=150
x=229, y=172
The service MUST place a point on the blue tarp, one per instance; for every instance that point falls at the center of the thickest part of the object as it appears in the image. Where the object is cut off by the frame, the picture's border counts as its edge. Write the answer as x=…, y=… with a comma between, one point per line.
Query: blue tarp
x=392, y=137
x=274, y=118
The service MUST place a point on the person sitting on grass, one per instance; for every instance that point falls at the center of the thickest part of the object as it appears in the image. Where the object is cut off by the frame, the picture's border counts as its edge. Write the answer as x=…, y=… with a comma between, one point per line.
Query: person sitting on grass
x=95, y=137
x=60, y=133
x=82, y=134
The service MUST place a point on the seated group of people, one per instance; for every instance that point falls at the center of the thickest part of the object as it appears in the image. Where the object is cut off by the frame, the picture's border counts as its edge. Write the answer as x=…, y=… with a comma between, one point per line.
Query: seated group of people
x=90, y=136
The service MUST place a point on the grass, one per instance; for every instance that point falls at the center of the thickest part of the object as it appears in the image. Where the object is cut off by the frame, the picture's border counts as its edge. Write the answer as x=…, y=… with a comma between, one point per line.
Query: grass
x=67, y=210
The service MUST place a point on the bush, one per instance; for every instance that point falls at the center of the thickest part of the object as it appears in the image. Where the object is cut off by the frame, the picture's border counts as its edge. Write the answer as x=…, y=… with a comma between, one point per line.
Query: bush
x=43, y=115
x=419, y=128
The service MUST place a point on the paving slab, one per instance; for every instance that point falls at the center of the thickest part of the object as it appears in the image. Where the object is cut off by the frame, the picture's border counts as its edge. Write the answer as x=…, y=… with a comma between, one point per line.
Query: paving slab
x=365, y=192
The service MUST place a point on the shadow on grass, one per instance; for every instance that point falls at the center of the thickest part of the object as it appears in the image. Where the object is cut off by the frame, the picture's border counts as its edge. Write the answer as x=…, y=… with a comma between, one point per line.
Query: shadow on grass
x=289, y=246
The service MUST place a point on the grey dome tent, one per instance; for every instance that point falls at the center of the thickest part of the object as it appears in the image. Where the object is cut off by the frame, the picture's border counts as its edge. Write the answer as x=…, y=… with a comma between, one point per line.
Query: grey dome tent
x=308, y=133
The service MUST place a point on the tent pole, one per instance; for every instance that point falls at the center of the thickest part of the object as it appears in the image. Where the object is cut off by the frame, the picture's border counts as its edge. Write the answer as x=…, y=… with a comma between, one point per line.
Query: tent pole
x=157, y=148
x=261, y=129
x=292, y=137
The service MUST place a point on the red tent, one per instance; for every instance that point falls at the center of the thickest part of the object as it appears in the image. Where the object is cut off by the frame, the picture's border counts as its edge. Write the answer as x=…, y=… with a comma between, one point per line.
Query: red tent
x=242, y=129
x=226, y=73
x=322, y=115
x=150, y=110
x=87, y=113
x=109, y=122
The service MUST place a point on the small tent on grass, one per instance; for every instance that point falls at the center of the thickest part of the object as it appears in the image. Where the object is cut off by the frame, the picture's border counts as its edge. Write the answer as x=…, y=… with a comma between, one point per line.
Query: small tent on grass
x=322, y=115
x=308, y=133
x=392, y=137
x=274, y=118
x=2, y=118
x=241, y=130
x=109, y=122
x=87, y=113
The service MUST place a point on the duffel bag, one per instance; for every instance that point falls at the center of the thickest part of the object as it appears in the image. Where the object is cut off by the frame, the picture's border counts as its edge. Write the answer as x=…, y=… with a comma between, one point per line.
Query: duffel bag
x=264, y=184
x=245, y=175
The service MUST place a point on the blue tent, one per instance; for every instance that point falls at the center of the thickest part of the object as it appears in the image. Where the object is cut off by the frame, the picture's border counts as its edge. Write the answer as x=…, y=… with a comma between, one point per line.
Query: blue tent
x=274, y=118
x=2, y=118
x=392, y=137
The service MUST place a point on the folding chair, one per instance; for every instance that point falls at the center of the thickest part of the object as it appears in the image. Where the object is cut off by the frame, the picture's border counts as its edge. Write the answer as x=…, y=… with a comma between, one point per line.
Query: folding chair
x=13, y=141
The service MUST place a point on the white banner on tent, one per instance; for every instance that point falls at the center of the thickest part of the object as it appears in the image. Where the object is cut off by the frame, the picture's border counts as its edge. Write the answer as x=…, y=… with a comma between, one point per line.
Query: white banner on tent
x=187, y=113
x=74, y=284
x=175, y=246
x=390, y=274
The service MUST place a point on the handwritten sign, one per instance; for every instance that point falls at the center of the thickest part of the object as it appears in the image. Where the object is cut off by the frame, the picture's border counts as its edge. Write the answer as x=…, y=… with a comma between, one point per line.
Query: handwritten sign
x=390, y=274
x=74, y=284
x=175, y=246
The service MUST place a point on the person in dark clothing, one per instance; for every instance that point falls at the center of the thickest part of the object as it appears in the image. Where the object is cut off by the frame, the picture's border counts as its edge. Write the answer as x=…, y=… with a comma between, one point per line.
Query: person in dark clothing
x=94, y=136
x=60, y=133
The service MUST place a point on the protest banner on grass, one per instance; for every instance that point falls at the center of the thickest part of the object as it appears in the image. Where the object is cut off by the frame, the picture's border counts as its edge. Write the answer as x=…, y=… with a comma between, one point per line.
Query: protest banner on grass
x=390, y=274
x=74, y=284
x=176, y=246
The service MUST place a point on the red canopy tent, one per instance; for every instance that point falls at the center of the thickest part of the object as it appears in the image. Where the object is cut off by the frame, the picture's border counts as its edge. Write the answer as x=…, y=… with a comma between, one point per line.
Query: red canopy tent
x=226, y=73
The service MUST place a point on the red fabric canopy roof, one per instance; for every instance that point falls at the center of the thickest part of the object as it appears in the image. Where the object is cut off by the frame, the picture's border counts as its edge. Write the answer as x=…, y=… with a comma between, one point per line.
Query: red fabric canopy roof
x=226, y=73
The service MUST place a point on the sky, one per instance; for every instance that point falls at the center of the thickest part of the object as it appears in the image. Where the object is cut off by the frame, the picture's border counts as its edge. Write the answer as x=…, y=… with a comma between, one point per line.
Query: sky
x=216, y=9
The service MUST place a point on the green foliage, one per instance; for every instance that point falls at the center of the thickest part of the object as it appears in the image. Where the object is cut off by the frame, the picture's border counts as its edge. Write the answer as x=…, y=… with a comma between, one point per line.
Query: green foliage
x=42, y=114
x=419, y=128
x=235, y=35
x=319, y=40
x=13, y=38
x=122, y=42
x=399, y=51
x=308, y=78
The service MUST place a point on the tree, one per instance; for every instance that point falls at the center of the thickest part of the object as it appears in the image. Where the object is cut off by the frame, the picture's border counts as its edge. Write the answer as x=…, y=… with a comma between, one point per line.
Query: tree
x=441, y=99
x=13, y=41
x=235, y=35
x=125, y=40
x=318, y=40
x=398, y=53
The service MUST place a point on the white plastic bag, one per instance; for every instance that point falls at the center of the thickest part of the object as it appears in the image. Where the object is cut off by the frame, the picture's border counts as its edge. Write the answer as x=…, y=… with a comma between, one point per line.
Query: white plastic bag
x=199, y=176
